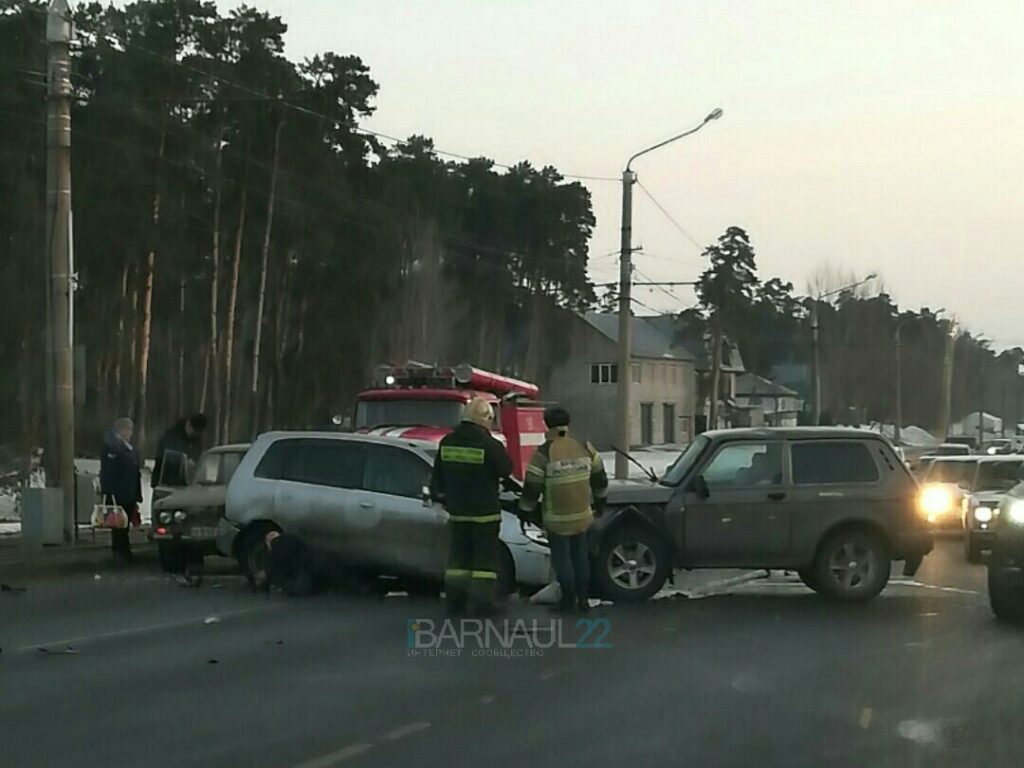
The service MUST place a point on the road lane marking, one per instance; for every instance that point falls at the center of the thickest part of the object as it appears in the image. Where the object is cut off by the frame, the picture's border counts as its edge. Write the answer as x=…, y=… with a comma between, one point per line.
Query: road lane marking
x=865, y=718
x=198, y=620
x=912, y=583
x=404, y=730
x=333, y=758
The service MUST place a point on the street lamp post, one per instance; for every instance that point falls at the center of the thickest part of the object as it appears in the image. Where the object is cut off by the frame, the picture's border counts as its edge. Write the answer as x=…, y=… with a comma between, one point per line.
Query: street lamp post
x=625, y=289
x=815, y=365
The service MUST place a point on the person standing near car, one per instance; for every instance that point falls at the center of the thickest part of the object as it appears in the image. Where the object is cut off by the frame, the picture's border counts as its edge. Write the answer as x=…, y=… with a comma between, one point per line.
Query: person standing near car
x=185, y=436
x=469, y=467
x=121, y=480
x=566, y=474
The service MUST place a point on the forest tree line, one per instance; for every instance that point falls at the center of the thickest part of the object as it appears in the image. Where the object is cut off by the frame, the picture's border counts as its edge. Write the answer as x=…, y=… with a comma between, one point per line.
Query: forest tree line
x=243, y=247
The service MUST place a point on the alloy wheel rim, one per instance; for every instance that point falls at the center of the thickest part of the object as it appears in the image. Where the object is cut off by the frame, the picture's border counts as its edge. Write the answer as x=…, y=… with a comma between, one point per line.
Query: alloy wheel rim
x=853, y=565
x=632, y=565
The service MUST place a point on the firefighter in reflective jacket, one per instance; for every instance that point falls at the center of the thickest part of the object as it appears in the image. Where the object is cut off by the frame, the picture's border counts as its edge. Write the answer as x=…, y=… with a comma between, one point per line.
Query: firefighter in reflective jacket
x=469, y=467
x=568, y=474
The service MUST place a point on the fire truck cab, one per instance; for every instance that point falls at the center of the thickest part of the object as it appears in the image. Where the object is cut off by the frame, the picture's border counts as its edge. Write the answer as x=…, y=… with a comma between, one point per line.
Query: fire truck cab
x=425, y=403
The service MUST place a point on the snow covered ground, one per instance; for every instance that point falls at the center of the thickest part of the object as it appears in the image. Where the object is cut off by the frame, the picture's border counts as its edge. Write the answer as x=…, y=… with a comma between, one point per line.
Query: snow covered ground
x=10, y=514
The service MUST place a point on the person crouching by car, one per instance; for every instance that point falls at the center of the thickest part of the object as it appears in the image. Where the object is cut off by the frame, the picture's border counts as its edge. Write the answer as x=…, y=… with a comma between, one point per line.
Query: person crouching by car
x=121, y=480
x=566, y=473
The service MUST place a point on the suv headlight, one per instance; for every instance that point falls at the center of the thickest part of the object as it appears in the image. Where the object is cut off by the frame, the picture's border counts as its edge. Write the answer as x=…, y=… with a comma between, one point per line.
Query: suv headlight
x=165, y=517
x=1015, y=512
x=180, y=516
x=935, y=501
x=983, y=514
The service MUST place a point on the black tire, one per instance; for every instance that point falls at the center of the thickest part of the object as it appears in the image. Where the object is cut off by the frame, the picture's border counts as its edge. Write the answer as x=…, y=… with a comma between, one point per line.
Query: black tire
x=1004, y=595
x=251, y=552
x=972, y=552
x=807, y=577
x=423, y=588
x=171, y=556
x=852, y=565
x=632, y=564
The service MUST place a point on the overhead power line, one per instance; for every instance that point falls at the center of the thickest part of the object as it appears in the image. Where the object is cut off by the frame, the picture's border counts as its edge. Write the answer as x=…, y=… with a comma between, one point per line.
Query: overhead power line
x=670, y=217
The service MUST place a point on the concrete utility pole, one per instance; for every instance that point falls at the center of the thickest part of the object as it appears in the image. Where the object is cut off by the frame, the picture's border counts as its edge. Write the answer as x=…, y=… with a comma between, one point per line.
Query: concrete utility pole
x=625, y=371
x=60, y=453
x=625, y=376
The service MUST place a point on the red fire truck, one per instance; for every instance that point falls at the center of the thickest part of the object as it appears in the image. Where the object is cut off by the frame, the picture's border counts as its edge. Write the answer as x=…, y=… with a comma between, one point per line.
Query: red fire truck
x=425, y=403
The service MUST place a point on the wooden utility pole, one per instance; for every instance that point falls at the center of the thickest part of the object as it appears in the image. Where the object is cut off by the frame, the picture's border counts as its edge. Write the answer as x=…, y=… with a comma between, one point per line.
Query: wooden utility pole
x=60, y=453
x=946, y=404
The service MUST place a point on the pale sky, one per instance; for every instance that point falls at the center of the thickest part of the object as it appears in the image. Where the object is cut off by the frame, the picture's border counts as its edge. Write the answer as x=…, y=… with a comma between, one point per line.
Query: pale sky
x=885, y=135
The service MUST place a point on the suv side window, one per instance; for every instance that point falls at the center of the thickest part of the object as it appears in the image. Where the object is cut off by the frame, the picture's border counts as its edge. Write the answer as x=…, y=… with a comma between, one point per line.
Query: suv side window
x=744, y=465
x=334, y=463
x=832, y=462
x=274, y=459
x=395, y=471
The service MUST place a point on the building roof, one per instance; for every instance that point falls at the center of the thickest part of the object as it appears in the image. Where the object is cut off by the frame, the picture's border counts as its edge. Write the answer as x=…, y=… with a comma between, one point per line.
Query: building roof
x=648, y=340
x=749, y=384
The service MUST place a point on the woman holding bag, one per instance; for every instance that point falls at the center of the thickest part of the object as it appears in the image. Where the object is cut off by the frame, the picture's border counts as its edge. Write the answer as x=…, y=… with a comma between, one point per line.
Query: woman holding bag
x=121, y=480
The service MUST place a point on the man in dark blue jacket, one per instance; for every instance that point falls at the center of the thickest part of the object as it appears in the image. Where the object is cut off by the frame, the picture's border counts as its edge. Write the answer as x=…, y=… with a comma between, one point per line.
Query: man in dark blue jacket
x=121, y=480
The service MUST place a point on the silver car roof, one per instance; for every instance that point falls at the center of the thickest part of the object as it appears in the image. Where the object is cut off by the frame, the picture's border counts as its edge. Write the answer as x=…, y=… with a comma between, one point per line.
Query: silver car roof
x=357, y=437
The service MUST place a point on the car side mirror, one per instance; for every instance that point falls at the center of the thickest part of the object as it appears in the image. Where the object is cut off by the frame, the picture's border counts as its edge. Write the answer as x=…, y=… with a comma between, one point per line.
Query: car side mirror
x=425, y=495
x=700, y=487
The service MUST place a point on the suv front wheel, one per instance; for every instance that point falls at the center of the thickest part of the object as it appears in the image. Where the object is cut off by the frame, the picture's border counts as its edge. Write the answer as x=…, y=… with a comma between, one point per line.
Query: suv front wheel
x=632, y=564
x=851, y=565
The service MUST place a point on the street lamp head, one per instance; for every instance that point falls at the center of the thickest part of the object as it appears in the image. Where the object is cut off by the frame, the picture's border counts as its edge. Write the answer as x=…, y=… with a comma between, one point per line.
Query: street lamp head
x=713, y=115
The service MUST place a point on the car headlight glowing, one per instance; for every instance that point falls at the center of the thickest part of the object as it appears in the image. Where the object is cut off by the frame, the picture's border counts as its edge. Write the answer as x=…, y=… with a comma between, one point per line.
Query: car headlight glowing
x=165, y=517
x=983, y=514
x=935, y=501
x=1015, y=512
x=180, y=516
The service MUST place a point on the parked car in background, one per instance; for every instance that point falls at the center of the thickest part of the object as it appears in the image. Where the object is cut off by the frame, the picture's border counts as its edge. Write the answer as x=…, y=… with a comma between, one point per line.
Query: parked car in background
x=835, y=505
x=1006, y=563
x=944, y=488
x=1000, y=446
x=185, y=521
x=994, y=478
x=971, y=441
x=364, y=499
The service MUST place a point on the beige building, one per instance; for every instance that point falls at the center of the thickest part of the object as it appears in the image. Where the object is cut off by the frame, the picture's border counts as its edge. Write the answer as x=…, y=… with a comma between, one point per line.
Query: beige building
x=663, y=392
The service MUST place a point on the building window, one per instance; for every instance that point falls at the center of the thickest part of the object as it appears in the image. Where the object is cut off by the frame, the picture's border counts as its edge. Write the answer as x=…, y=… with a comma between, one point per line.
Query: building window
x=635, y=369
x=604, y=373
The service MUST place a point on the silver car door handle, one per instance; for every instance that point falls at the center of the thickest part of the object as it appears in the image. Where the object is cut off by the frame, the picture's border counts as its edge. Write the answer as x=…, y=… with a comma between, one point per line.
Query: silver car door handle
x=366, y=504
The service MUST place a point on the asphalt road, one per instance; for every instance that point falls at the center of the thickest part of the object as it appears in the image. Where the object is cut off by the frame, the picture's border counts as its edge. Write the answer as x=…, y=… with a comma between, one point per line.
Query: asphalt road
x=138, y=671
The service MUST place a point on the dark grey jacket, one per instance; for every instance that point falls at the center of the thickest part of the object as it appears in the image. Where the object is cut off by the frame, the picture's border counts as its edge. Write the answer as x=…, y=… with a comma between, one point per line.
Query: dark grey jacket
x=119, y=472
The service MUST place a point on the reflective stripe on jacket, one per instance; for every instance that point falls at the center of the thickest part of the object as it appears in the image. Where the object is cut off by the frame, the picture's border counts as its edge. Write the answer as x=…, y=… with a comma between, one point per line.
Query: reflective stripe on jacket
x=566, y=473
x=468, y=467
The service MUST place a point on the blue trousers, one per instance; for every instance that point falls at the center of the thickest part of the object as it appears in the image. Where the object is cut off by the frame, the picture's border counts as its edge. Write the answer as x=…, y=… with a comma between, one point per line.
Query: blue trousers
x=572, y=565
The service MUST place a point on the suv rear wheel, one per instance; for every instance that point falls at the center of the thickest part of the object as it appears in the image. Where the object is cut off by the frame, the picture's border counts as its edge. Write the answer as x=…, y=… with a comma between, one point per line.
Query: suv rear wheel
x=632, y=564
x=852, y=564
